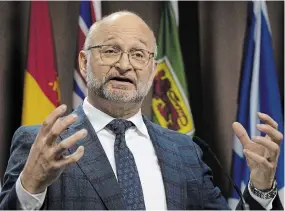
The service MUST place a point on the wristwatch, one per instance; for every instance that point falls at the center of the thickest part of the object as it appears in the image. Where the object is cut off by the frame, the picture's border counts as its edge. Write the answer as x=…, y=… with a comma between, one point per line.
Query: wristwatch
x=264, y=194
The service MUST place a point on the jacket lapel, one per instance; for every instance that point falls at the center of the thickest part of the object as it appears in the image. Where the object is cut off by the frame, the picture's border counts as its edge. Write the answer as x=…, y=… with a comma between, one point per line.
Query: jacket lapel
x=95, y=163
x=171, y=168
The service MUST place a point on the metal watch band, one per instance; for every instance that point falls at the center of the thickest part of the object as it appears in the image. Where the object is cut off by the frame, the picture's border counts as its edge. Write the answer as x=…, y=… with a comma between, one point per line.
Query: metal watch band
x=270, y=194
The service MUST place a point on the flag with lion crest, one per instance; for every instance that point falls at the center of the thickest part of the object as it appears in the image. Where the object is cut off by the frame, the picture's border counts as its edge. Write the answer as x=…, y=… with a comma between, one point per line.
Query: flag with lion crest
x=170, y=102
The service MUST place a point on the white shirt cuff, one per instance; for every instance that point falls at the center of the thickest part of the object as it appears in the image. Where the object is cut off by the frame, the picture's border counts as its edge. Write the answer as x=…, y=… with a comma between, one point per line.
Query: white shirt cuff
x=265, y=203
x=27, y=200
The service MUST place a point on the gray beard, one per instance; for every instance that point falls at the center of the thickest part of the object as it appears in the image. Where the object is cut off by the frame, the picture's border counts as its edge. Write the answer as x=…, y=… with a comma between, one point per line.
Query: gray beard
x=100, y=89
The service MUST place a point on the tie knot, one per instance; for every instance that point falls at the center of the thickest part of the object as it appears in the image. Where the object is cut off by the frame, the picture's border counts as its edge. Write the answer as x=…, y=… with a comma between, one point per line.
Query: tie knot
x=119, y=126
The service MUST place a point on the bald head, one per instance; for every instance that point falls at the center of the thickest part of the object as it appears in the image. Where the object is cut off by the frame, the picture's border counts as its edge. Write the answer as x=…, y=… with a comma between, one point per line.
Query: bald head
x=125, y=21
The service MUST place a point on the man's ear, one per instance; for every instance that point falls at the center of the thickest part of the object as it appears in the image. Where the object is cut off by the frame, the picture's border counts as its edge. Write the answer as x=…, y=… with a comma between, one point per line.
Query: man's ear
x=82, y=63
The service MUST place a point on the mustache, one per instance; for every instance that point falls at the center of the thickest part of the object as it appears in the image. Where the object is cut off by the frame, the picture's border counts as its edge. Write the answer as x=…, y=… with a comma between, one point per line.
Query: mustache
x=120, y=77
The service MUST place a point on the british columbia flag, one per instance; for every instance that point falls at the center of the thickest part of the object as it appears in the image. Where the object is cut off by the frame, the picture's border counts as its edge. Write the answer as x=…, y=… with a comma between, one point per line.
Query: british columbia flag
x=90, y=12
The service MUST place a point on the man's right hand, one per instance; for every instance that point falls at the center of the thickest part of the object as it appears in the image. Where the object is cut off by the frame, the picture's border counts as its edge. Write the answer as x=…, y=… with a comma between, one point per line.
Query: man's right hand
x=46, y=161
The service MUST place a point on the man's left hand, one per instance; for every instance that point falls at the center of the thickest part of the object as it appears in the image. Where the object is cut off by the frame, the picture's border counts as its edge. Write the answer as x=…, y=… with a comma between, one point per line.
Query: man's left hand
x=262, y=152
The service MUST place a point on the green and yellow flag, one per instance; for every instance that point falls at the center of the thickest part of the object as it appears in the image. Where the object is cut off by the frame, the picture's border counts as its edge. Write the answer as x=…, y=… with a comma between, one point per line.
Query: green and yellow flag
x=170, y=104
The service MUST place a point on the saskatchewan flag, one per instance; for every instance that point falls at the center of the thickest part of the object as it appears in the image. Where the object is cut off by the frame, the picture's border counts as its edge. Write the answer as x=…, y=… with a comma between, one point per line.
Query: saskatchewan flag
x=41, y=90
x=170, y=104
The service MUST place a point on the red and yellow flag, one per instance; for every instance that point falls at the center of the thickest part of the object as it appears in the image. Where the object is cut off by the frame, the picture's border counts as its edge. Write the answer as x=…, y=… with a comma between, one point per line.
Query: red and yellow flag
x=41, y=88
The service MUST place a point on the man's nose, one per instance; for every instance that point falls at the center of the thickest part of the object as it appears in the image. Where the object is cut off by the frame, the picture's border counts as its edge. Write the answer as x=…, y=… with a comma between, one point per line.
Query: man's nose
x=123, y=65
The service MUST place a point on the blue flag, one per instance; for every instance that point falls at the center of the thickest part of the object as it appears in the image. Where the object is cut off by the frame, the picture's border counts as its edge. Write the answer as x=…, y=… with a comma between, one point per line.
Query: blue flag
x=259, y=92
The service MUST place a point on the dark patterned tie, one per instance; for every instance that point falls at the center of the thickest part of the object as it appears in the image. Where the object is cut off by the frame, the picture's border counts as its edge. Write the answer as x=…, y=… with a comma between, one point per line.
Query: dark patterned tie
x=127, y=173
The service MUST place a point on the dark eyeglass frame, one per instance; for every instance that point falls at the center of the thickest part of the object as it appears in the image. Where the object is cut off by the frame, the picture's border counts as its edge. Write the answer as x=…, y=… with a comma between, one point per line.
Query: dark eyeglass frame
x=151, y=54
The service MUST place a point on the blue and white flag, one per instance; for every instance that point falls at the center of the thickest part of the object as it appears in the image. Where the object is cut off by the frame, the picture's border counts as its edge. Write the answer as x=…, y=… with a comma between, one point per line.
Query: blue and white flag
x=90, y=12
x=259, y=92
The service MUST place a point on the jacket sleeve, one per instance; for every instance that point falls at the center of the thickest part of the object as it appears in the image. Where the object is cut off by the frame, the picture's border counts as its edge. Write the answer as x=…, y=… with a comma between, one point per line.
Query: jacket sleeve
x=20, y=147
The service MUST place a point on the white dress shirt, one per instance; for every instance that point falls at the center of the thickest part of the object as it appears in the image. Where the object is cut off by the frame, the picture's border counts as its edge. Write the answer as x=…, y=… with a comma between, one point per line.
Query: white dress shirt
x=139, y=143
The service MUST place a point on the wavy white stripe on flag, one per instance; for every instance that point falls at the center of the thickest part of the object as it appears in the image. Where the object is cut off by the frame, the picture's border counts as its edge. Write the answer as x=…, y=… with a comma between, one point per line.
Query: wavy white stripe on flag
x=97, y=8
x=83, y=26
x=77, y=100
x=80, y=89
x=174, y=5
x=254, y=91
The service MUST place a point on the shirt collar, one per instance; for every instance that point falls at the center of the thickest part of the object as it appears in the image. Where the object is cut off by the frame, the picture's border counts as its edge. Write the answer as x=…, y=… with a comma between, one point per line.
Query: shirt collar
x=99, y=119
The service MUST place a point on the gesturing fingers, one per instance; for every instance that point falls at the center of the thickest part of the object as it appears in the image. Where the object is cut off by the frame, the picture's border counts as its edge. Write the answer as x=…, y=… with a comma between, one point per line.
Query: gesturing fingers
x=70, y=159
x=69, y=142
x=51, y=119
x=272, y=147
x=260, y=160
x=274, y=134
x=267, y=120
x=59, y=126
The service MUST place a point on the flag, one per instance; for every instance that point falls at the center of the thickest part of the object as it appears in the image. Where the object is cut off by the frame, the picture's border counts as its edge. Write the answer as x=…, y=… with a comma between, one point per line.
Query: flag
x=90, y=12
x=170, y=104
x=259, y=92
x=41, y=88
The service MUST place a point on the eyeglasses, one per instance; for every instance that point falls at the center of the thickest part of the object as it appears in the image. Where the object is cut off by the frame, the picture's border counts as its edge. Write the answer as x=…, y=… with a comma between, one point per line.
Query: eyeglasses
x=111, y=54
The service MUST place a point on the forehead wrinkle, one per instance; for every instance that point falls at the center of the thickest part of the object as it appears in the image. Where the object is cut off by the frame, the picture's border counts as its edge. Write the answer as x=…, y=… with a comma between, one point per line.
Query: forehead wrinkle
x=120, y=36
x=143, y=42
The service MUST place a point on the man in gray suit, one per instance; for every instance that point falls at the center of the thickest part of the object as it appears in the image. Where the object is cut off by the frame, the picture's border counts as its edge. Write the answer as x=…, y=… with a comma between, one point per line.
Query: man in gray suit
x=107, y=155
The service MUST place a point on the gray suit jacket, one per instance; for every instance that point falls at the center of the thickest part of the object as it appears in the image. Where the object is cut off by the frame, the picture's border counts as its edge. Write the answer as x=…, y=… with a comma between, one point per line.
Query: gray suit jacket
x=91, y=183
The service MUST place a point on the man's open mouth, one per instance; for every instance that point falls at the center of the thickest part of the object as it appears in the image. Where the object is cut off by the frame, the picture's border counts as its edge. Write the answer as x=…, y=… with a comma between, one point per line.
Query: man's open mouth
x=120, y=79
